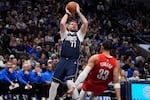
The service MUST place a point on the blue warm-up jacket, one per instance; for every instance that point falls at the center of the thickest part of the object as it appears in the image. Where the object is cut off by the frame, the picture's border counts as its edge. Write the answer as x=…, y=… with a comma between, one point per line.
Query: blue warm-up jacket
x=7, y=76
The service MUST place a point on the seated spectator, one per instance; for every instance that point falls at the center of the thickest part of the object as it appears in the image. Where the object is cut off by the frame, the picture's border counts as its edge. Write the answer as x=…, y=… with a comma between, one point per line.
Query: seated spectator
x=13, y=41
x=135, y=76
x=9, y=74
x=49, y=39
x=29, y=48
x=123, y=75
x=51, y=51
x=122, y=60
x=43, y=62
x=131, y=69
x=47, y=76
x=20, y=49
x=1, y=79
x=49, y=61
x=2, y=64
x=54, y=56
x=145, y=71
x=43, y=59
x=24, y=76
x=32, y=61
x=126, y=65
x=1, y=76
x=37, y=52
x=36, y=75
x=9, y=78
x=11, y=57
x=55, y=61
x=20, y=24
x=16, y=67
x=47, y=79
x=37, y=40
x=36, y=80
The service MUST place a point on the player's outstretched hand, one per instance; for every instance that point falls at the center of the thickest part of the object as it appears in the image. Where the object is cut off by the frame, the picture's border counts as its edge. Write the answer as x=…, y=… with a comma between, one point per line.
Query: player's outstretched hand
x=67, y=11
x=78, y=8
x=70, y=91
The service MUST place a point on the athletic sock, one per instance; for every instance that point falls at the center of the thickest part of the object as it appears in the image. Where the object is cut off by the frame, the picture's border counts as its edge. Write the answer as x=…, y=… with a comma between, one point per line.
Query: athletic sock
x=53, y=90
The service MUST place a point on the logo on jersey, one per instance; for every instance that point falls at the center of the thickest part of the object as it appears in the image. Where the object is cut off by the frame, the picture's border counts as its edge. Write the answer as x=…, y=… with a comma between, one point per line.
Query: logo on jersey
x=75, y=62
x=72, y=39
x=106, y=64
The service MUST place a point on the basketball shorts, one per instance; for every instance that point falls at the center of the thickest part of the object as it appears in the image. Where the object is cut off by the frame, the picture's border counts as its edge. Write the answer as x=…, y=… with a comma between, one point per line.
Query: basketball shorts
x=65, y=69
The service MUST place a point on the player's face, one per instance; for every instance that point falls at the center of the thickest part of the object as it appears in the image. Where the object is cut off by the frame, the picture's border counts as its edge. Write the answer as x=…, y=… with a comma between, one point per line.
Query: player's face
x=73, y=27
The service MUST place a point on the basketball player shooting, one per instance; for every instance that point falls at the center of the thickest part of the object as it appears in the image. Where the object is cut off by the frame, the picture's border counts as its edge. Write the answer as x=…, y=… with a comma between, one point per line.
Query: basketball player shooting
x=71, y=38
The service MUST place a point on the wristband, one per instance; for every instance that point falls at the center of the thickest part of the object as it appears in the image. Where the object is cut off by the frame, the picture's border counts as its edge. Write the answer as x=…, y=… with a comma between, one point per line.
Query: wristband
x=117, y=85
x=67, y=13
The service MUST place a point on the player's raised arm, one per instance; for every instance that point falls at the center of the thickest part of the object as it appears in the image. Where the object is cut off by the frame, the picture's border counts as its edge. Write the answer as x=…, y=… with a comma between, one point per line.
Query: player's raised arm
x=84, y=25
x=116, y=80
x=64, y=20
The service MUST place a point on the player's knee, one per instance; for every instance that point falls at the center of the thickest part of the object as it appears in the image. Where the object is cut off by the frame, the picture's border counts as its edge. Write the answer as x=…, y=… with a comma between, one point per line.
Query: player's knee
x=75, y=94
x=70, y=83
x=54, y=85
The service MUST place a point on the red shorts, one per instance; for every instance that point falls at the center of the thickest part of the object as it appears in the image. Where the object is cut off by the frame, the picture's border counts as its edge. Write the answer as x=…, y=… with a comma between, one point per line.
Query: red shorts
x=96, y=88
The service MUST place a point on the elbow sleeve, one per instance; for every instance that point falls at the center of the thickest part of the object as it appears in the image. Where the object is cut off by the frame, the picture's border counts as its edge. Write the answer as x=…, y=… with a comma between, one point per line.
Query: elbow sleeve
x=83, y=75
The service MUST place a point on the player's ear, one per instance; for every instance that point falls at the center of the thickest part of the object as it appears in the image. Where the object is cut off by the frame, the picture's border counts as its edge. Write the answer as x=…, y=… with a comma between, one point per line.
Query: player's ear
x=67, y=26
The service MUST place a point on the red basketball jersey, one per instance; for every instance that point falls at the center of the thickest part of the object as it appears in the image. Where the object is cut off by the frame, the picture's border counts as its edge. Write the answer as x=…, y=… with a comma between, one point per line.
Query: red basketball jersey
x=100, y=75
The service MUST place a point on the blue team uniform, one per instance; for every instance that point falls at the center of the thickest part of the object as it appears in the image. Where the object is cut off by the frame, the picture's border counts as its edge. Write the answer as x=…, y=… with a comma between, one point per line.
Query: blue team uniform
x=47, y=76
x=24, y=79
x=70, y=50
x=7, y=76
x=34, y=78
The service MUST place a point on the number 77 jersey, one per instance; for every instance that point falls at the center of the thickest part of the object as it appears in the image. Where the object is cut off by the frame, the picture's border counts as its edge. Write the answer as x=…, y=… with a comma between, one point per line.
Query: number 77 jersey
x=101, y=75
x=71, y=46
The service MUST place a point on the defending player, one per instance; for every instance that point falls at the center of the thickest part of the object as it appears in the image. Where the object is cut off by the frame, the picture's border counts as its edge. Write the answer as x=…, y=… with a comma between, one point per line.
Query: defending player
x=100, y=71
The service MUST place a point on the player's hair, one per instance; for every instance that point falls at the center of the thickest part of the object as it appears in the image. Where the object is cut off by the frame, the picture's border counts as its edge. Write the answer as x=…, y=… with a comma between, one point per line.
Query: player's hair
x=107, y=44
x=73, y=20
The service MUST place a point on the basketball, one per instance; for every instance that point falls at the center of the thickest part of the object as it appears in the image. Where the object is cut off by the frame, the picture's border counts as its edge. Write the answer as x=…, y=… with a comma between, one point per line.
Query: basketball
x=71, y=6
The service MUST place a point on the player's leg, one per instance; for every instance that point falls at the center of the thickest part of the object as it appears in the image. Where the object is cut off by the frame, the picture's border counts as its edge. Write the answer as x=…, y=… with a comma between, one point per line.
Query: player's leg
x=71, y=70
x=57, y=79
x=75, y=94
x=53, y=90
x=82, y=95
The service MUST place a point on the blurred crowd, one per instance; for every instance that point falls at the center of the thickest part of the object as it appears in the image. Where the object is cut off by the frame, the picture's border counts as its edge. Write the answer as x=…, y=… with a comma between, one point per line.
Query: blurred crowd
x=29, y=32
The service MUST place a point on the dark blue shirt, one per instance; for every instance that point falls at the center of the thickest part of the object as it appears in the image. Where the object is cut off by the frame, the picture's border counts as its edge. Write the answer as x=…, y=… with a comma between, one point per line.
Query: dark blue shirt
x=130, y=71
